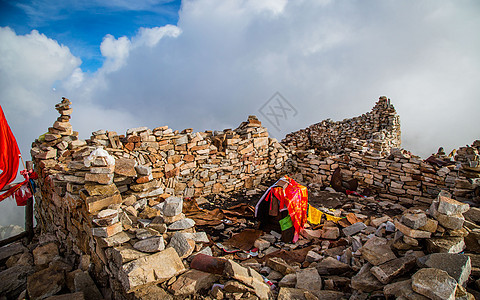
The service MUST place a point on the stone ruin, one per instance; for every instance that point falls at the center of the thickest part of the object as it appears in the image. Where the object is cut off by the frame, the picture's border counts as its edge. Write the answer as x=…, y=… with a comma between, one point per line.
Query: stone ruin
x=113, y=207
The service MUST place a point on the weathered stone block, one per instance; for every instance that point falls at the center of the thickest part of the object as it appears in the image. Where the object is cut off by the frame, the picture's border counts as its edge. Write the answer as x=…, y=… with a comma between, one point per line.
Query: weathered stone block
x=377, y=251
x=386, y=272
x=434, y=284
x=155, y=268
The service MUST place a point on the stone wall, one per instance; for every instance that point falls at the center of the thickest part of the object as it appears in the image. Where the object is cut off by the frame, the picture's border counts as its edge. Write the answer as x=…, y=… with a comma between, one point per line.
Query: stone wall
x=104, y=196
x=378, y=130
x=399, y=177
x=367, y=148
x=92, y=191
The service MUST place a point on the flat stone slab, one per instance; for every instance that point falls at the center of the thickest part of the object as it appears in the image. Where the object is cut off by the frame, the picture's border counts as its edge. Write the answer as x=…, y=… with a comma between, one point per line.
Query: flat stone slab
x=45, y=253
x=365, y=281
x=377, y=251
x=155, y=268
x=10, y=250
x=182, y=224
x=402, y=289
x=331, y=266
x=309, y=279
x=434, y=283
x=450, y=206
x=456, y=265
x=386, y=272
x=414, y=221
x=445, y=245
x=14, y=280
x=191, y=282
x=153, y=244
x=354, y=229
x=45, y=283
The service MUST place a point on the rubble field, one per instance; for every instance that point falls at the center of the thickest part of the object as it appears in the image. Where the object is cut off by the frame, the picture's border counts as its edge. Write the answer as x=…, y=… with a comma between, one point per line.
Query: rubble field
x=162, y=214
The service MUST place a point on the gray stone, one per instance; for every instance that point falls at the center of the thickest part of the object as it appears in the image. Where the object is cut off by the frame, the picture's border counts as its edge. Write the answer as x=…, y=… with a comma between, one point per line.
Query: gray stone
x=414, y=221
x=286, y=293
x=14, y=280
x=331, y=266
x=45, y=283
x=182, y=224
x=289, y=280
x=44, y=254
x=365, y=281
x=84, y=283
x=143, y=170
x=172, y=206
x=181, y=244
x=155, y=268
x=181, y=140
x=377, y=251
x=445, y=245
x=71, y=296
x=354, y=229
x=261, y=244
x=473, y=214
x=313, y=256
x=386, y=272
x=456, y=265
x=309, y=279
x=402, y=289
x=151, y=292
x=145, y=233
x=249, y=277
x=153, y=244
x=450, y=221
x=114, y=240
x=123, y=254
x=198, y=237
x=450, y=207
x=434, y=283
x=191, y=282
x=10, y=250
x=279, y=265
x=136, y=130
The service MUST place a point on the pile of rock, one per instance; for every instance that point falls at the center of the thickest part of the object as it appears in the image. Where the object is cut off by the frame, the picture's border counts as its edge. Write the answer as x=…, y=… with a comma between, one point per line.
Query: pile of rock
x=60, y=137
x=377, y=131
x=40, y=271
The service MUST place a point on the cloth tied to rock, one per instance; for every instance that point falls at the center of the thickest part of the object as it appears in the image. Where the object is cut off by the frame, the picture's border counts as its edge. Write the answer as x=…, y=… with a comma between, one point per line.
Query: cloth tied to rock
x=291, y=195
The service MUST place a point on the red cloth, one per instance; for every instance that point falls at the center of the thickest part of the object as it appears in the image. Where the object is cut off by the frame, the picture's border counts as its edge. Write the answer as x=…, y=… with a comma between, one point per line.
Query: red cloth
x=9, y=153
x=295, y=197
x=21, y=192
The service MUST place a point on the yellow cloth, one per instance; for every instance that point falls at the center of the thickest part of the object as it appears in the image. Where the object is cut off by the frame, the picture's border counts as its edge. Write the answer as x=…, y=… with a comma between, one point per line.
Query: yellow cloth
x=314, y=215
x=333, y=218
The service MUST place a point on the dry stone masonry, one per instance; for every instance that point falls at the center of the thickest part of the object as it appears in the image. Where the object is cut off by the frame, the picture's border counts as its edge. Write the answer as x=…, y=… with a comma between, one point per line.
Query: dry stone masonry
x=114, y=205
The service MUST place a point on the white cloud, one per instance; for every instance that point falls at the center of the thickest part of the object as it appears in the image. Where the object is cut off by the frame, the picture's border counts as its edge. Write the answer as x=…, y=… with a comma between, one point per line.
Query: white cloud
x=330, y=59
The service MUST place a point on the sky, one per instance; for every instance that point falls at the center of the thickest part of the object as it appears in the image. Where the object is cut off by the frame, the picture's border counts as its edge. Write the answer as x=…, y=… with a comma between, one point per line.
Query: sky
x=209, y=64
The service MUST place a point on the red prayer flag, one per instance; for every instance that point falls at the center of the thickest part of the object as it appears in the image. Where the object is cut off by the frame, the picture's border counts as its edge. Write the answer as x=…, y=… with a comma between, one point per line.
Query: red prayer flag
x=9, y=152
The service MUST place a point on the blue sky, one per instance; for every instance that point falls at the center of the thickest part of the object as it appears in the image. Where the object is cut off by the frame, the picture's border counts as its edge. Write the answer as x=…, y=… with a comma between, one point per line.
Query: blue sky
x=82, y=25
